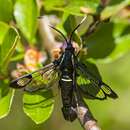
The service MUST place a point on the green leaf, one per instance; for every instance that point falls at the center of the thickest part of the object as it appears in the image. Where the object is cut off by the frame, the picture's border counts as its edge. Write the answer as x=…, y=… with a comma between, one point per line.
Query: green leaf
x=26, y=12
x=3, y=30
x=122, y=47
x=70, y=6
x=8, y=38
x=7, y=47
x=6, y=97
x=6, y=10
x=101, y=43
x=50, y=4
x=113, y=44
x=38, y=106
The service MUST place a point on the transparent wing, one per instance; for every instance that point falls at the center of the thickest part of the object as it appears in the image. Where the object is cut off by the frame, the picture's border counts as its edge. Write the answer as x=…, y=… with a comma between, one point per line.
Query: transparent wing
x=92, y=87
x=41, y=78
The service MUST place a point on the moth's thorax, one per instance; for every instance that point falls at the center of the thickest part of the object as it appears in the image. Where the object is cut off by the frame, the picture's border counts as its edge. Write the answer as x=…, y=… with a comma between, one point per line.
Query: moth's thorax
x=69, y=48
x=66, y=61
x=66, y=65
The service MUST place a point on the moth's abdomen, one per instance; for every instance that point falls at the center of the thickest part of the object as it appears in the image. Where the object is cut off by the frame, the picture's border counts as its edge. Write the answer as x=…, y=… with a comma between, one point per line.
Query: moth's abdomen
x=66, y=90
x=66, y=85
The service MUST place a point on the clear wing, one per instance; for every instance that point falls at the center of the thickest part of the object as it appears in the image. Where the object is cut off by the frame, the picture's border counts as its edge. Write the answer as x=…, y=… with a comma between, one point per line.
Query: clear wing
x=92, y=87
x=39, y=79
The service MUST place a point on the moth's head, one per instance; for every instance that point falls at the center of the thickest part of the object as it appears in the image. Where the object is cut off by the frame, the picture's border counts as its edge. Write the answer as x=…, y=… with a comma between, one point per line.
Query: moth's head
x=69, y=41
x=70, y=47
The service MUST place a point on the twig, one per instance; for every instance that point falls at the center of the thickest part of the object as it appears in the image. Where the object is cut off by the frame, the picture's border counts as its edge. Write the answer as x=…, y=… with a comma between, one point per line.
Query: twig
x=92, y=28
x=104, y=2
x=84, y=115
x=96, y=18
x=86, y=118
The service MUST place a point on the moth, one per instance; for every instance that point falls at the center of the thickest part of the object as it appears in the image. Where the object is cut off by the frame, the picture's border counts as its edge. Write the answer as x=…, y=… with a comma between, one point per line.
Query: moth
x=73, y=77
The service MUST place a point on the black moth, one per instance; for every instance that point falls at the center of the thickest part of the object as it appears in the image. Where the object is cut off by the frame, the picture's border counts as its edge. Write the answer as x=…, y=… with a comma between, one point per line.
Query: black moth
x=73, y=77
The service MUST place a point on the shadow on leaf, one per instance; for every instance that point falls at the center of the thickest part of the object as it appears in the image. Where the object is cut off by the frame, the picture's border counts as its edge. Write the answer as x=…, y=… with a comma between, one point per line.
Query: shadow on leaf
x=101, y=43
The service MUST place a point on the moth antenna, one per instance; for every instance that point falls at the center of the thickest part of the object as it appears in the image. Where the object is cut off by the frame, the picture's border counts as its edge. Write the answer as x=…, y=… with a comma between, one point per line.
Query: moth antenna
x=59, y=32
x=76, y=29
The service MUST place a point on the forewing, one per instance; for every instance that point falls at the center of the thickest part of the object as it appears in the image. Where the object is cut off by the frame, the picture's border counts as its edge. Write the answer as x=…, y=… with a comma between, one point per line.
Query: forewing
x=91, y=86
x=21, y=82
x=38, y=79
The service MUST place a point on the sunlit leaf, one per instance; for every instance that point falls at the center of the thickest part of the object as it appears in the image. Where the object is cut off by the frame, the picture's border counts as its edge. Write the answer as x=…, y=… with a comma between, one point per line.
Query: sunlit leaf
x=26, y=13
x=6, y=10
x=38, y=106
x=49, y=4
x=71, y=7
x=3, y=30
x=6, y=97
x=8, y=44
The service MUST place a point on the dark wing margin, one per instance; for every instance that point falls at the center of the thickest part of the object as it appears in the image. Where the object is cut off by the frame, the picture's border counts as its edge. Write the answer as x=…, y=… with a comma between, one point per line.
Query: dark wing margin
x=92, y=87
x=39, y=78
x=21, y=82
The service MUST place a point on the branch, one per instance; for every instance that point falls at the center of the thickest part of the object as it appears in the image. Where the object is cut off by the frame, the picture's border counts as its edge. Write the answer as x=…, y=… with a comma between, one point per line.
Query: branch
x=85, y=117
x=104, y=2
x=92, y=28
x=96, y=18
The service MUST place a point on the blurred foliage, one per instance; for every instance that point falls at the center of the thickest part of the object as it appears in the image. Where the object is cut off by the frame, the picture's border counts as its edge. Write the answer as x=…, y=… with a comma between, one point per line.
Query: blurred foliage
x=108, y=44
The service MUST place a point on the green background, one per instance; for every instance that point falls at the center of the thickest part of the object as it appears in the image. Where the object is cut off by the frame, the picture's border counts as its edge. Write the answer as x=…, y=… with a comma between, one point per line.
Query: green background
x=108, y=48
